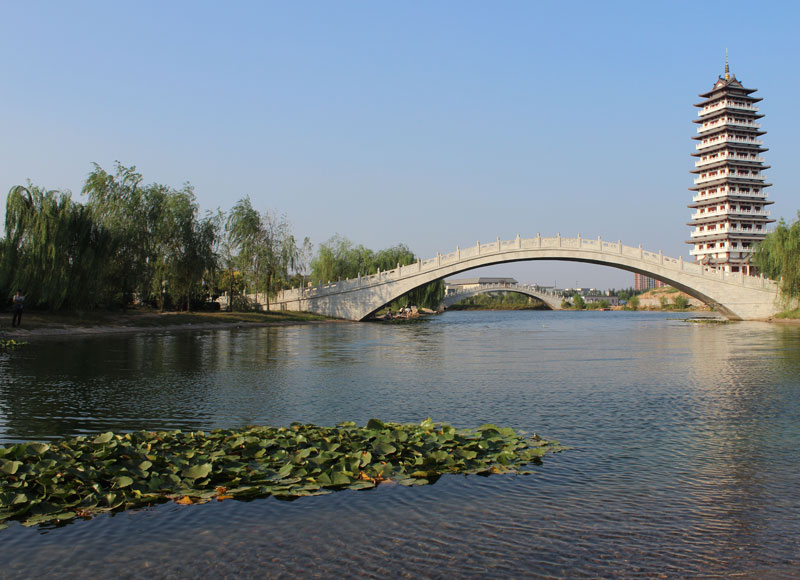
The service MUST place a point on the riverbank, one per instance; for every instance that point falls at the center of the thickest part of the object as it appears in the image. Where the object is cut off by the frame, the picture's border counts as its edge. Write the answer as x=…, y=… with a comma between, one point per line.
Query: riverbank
x=43, y=324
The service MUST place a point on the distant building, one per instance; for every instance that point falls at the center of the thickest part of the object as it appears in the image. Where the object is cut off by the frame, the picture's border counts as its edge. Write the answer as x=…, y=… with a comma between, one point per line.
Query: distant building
x=730, y=200
x=642, y=283
x=612, y=300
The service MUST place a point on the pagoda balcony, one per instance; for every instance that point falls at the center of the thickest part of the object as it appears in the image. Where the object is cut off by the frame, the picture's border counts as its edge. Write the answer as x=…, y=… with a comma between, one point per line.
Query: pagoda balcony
x=728, y=175
x=725, y=104
x=735, y=260
x=731, y=212
x=727, y=139
x=707, y=196
x=728, y=230
x=724, y=157
x=729, y=123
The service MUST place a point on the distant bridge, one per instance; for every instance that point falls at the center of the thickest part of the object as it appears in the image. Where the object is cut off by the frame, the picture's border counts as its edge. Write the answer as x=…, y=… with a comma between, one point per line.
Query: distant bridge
x=551, y=299
x=736, y=296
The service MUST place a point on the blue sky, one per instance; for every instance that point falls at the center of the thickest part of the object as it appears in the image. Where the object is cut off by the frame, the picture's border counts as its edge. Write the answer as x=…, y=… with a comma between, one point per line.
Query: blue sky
x=428, y=123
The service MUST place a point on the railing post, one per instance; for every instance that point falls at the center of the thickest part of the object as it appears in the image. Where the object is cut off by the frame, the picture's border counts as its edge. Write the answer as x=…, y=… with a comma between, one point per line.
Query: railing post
x=478, y=245
x=661, y=257
x=498, y=244
x=580, y=242
x=600, y=242
x=438, y=259
x=419, y=264
x=558, y=235
x=619, y=243
x=458, y=253
x=519, y=242
x=680, y=261
x=539, y=238
x=641, y=252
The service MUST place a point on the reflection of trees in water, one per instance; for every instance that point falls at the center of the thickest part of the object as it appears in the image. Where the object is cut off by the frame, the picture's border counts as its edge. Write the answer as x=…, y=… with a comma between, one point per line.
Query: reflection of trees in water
x=121, y=383
x=188, y=380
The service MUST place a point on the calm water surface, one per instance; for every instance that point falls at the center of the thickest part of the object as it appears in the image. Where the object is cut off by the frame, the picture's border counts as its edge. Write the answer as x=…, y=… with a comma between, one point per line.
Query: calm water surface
x=685, y=459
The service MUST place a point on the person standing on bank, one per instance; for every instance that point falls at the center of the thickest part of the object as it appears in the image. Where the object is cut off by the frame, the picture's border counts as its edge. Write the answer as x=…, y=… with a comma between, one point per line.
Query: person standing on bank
x=19, y=299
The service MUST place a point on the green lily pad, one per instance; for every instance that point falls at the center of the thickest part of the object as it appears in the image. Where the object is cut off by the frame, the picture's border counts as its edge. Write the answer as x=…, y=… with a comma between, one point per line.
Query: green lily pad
x=197, y=471
x=103, y=438
x=83, y=476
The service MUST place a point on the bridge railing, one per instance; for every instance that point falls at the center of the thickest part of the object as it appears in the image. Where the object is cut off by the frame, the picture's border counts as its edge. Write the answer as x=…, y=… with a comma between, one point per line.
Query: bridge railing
x=521, y=244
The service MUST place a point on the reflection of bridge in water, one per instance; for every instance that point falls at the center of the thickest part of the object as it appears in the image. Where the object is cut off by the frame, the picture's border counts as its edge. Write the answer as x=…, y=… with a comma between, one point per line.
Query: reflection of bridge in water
x=735, y=295
x=455, y=294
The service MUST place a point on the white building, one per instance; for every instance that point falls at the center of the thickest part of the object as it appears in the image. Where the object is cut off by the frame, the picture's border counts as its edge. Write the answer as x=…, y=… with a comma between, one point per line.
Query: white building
x=730, y=200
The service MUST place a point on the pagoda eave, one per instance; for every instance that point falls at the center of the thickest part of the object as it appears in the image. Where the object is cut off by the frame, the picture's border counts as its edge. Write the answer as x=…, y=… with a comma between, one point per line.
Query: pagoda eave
x=729, y=197
x=730, y=145
x=730, y=163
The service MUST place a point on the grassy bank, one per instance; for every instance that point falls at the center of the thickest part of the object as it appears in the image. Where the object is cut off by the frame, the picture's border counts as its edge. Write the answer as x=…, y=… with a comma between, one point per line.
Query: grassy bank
x=789, y=314
x=37, y=322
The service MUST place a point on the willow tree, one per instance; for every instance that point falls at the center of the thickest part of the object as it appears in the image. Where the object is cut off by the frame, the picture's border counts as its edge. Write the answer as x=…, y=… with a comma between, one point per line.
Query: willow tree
x=52, y=248
x=129, y=213
x=264, y=246
x=340, y=258
x=778, y=258
x=184, y=247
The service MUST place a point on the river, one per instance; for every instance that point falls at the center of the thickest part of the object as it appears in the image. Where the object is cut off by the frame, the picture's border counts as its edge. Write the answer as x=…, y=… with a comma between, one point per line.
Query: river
x=684, y=437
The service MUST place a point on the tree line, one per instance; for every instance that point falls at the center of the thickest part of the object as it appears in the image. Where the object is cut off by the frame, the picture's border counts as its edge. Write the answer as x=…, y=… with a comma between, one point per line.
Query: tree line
x=133, y=243
x=340, y=259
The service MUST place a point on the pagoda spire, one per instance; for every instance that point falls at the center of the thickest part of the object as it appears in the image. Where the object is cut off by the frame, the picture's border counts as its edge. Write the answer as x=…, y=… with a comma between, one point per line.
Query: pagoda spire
x=727, y=69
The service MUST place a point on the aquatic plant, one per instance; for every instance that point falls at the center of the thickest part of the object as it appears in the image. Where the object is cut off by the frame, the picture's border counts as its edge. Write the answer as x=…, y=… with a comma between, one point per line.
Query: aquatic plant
x=84, y=476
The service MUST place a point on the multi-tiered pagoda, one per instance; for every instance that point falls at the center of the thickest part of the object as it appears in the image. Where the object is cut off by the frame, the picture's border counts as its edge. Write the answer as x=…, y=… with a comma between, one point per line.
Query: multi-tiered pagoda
x=730, y=199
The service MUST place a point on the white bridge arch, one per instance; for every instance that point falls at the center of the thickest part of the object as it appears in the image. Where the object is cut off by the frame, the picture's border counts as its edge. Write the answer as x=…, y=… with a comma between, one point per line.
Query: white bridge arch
x=551, y=299
x=736, y=296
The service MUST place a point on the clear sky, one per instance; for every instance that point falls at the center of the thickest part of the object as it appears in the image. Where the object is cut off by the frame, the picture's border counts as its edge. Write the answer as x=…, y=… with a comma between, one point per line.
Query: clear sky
x=428, y=123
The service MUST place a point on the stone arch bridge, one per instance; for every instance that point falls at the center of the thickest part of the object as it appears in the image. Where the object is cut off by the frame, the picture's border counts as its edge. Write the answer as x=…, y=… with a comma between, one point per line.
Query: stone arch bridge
x=551, y=299
x=736, y=296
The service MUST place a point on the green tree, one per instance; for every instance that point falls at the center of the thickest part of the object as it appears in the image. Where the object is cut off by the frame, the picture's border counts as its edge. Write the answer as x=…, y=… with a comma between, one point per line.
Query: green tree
x=339, y=258
x=132, y=215
x=186, y=250
x=681, y=302
x=52, y=249
x=633, y=303
x=577, y=302
x=266, y=250
x=778, y=258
